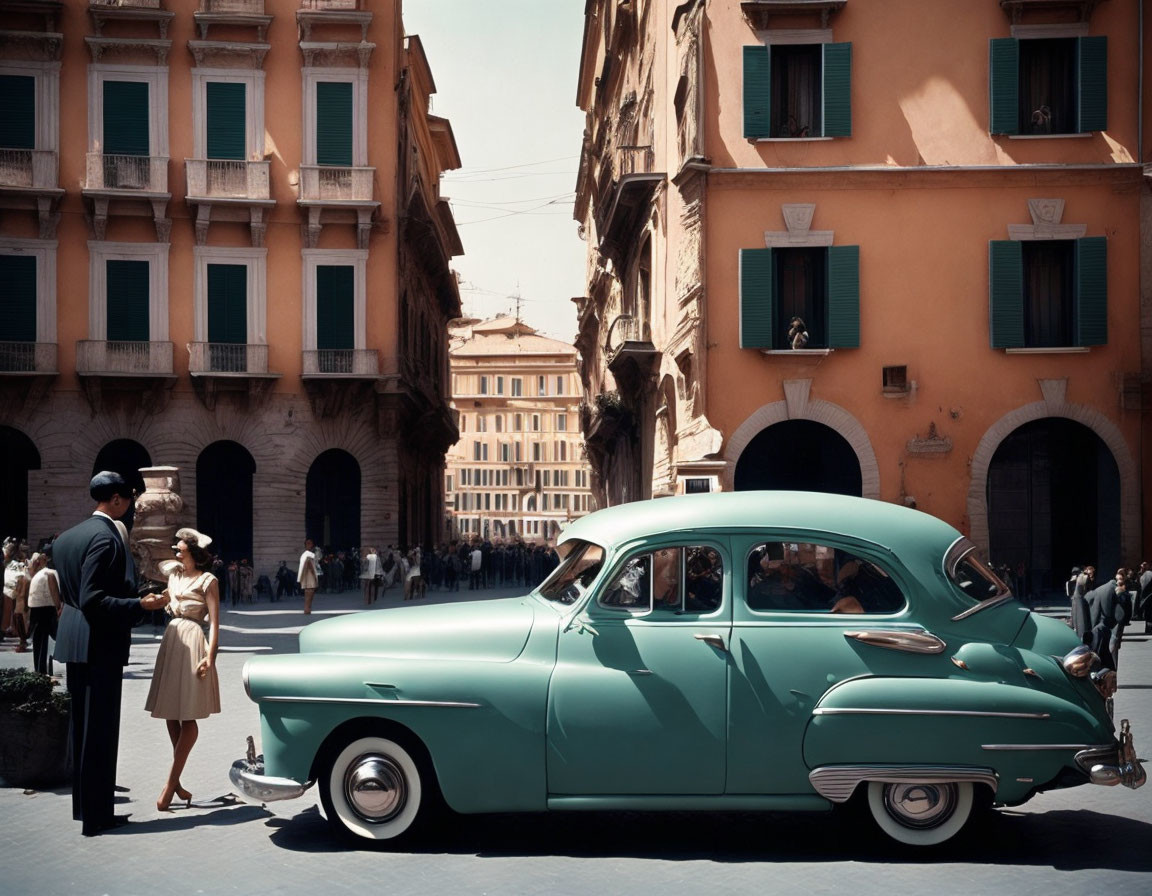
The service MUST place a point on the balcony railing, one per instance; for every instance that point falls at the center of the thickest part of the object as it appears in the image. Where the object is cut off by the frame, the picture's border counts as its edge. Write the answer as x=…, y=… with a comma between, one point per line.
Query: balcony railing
x=227, y=357
x=342, y=362
x=227, y=178
x=341, y=5
x=27, y=357
x=148, y=174
x=96, y=358
x=130, y=4
x=321, y=183
x=31, y=168
x=239, y=7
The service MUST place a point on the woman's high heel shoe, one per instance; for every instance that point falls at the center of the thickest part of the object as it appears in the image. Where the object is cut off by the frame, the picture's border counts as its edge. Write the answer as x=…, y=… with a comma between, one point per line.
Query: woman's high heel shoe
x=164, y=804
x=186, y=796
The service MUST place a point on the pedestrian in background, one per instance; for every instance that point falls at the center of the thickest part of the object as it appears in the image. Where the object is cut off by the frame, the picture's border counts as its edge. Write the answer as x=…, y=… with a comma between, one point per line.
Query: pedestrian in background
x=370, y=575
x=16, y=580
x=97, y=588
x=308, y=574
x=244, y=573
x=43, y=610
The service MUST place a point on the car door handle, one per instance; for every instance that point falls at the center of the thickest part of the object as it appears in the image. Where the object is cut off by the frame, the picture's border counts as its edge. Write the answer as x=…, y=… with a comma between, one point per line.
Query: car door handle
x=716, y=641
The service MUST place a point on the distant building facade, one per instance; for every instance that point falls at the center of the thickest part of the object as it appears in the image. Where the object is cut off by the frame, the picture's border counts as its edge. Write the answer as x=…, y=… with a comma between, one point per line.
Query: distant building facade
x=223, y=248
x=519, y=468
x=951, y=204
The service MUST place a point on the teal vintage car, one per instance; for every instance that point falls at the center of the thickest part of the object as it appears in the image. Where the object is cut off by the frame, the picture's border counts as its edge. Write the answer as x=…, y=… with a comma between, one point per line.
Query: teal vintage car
x=751, y=650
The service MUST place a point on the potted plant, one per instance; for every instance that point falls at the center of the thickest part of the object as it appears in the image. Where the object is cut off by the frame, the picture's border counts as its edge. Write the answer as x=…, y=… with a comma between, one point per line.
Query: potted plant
x=34, y=719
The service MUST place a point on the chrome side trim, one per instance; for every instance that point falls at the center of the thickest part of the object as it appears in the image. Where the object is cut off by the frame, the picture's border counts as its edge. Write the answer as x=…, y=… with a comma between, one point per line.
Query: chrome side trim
x=371, y=700
x=984, y=605
x=832, y=711
x=836, y=783
x=1026, y=748
x=909, y=642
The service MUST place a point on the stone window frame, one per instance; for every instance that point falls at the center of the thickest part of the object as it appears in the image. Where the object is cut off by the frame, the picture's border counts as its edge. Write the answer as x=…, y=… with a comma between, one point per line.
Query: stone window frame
x=358, y=78
x=44, y=251
x=253, y=82
x=358, y=259
x=100, y=252
x=47, y=89
x=156, y=77
x=256, y=260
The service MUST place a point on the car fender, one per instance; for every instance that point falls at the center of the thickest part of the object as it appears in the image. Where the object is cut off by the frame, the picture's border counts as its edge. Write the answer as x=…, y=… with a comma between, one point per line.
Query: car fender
x=1026, y=735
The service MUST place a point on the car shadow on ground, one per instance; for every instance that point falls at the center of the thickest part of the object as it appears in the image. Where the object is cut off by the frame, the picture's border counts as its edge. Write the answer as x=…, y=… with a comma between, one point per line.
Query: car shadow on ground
x=1059, y=839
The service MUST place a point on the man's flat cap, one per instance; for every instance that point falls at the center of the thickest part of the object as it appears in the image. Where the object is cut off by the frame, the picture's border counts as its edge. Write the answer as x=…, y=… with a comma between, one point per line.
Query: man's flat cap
x=106, y=483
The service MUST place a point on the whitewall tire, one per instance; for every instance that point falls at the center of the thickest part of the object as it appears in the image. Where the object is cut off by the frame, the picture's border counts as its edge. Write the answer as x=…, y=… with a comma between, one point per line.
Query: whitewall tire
x=373, y=788
x=920, y=814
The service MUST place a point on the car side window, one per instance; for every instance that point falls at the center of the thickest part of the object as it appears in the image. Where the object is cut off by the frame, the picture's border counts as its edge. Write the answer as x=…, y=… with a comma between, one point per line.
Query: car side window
x=668, y=581
x=813, y=578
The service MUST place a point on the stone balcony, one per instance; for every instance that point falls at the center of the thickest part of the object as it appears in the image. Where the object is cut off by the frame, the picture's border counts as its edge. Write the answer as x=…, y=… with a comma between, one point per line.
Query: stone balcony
x=332, y=193
x=217, y=367
x=20, y=358
x=355, y=363
x=29, y=179
x=112, y=181
x=337, y=380
x=227, y=189
x=102, y=358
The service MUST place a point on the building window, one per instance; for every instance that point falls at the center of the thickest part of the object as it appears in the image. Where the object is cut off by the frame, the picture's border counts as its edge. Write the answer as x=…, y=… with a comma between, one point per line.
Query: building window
x=820, y=285
x=541, y=385
x=536, y=452
x=481, y=420
x=128, y=117
x=562, y=422
x=128, y=290
x=29, y=117
x=483, y=385
x=797, y=90
x=563, y=451
x=227, y=114
x=27, y=300
x=1048, y=293
x=535, y=423
x=517, y=422
x=230, y=290
x=517, y=387
x=335, y=111
x=334, y=299
x=499, y=385
x=697, y=486
x=895, y=379
x=499, y=421
x=1056, y=85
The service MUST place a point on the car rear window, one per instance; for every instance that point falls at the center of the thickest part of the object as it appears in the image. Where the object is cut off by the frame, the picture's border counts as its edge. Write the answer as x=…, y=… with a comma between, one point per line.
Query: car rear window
x=813, y=578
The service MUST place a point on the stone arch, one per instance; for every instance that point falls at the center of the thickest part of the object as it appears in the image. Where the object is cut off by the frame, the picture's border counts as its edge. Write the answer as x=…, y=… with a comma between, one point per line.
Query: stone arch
x=1055, y=405
x=797, y=405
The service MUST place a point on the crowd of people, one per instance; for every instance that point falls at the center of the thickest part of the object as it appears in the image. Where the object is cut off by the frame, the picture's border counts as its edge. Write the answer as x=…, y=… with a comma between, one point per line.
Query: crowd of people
x=1100, y=611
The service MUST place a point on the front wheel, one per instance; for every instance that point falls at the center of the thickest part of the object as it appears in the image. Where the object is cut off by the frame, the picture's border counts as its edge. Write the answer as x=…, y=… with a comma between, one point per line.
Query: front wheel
x=920, y=814
x=373, y=788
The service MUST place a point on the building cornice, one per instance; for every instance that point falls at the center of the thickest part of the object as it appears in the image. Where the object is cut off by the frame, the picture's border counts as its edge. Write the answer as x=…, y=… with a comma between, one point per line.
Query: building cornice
x=883, y=176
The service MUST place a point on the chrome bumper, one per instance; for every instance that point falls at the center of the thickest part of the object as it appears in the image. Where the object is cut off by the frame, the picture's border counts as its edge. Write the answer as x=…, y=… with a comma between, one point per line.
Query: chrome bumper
x=247, y=776
x=1114, y=765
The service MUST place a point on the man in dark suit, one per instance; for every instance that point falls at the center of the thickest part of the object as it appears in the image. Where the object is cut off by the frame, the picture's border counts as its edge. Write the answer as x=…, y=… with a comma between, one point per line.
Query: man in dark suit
x=98, y=591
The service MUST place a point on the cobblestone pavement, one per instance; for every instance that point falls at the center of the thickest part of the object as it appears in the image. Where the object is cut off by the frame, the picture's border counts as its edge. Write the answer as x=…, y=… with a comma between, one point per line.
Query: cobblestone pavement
x=1088, y=839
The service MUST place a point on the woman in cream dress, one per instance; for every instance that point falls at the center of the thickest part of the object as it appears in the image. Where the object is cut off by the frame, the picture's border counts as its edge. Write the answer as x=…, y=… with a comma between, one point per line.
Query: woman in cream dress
x=184, y=685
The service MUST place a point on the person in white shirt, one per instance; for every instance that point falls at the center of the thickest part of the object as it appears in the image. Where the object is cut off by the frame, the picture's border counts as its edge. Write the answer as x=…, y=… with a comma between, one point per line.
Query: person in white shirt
x=43, y=610
x=370, y=575
x=308, y=573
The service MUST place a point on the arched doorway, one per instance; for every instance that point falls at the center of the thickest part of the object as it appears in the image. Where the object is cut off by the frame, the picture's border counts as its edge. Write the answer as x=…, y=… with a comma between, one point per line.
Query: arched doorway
x=17, y=456
x=1053, y=503
x=125, y=457
x=800, y=455
x=224, y=472
x=332, y=509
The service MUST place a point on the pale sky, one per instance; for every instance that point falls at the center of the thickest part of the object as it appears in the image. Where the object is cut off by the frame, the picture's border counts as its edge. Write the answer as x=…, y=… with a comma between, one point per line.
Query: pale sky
x=505, y=73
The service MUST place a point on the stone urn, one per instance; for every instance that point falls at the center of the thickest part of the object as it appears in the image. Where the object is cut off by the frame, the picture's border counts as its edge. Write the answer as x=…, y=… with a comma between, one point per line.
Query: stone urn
x=159, y=513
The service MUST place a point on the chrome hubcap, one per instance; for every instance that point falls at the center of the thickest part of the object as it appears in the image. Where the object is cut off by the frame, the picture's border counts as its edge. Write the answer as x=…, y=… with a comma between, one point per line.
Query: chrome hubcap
x=920, y=805
x=375, y=787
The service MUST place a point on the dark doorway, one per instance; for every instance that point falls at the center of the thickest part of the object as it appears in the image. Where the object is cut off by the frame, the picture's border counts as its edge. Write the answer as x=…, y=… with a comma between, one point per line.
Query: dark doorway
x=17, y=456
x=1053, y=503
x=332, y=512
x=125, y=457
x=799, y=455
x=224, y=472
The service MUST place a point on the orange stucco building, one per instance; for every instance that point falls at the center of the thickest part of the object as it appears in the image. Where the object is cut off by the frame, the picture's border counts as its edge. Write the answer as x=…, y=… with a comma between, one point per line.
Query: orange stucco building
x=224, y=248
x=948, y=194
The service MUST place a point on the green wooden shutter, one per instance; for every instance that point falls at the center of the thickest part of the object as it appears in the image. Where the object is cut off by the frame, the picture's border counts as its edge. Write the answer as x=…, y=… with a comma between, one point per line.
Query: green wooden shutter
x=1006, y=294
x=228, y=303
x=126, y=118
x=843, y=320
x=1092, y=291
x=227, y=120
x=17, y=112
x=18, y=298
x=1004, y=82
x=837, y=90
x=335, y=298
x=128, y=283
x=757, y=298
x=757, y=91
x=334, y=123
x=1092, y=84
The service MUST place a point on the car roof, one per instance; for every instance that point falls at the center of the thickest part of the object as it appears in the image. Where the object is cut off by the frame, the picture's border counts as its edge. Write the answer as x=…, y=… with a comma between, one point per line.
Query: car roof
x=876, y=521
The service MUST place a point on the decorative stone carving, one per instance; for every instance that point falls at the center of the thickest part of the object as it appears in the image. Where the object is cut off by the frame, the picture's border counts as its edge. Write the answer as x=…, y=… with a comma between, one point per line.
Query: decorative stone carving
x=933, y=443
x=159, y=513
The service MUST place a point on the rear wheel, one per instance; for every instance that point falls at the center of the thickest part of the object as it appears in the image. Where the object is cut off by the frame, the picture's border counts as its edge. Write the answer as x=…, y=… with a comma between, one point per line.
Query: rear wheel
x=920, y=814
x=372, y=787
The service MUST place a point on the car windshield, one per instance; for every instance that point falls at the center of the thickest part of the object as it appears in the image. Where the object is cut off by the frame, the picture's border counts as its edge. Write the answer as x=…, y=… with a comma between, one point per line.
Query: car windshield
x=973, y=576
x=582, y=562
